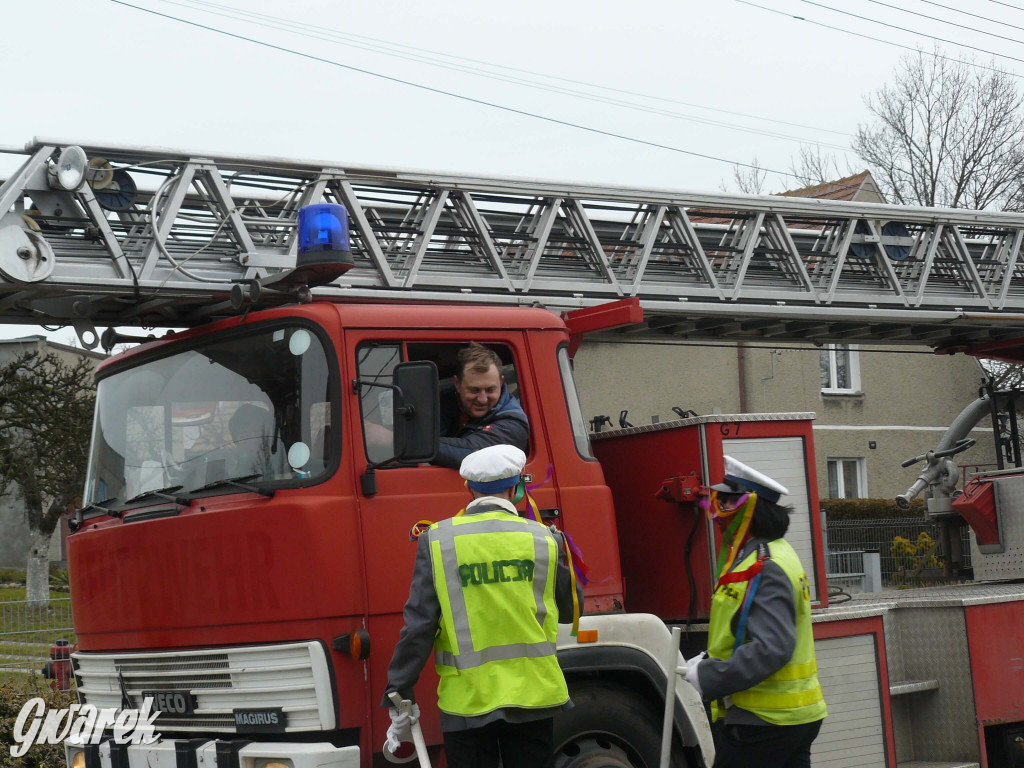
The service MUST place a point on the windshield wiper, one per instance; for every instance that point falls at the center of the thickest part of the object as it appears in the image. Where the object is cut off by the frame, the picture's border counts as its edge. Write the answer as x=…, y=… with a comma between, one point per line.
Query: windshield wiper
x=241, y=481
x=97, y=506
x=163, y=493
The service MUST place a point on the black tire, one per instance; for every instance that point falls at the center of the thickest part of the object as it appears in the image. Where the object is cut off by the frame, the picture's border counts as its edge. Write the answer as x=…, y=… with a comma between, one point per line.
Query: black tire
x=610, y=726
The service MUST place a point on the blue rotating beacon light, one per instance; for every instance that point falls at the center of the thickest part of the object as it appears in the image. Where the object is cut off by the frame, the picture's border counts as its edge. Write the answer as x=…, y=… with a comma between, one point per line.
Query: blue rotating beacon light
x=325, y=249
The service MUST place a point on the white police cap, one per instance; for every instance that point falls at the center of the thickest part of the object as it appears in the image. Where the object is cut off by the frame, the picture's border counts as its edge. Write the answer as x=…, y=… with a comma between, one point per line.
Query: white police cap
x=739, y=478
x=494, y=468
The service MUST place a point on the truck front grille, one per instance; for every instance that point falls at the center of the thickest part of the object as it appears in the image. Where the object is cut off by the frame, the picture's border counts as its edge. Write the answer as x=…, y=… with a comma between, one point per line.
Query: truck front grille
x=294, y=677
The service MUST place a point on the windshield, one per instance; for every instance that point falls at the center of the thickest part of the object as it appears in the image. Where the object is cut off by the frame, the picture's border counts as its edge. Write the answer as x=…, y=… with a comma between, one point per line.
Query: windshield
x=253, y=406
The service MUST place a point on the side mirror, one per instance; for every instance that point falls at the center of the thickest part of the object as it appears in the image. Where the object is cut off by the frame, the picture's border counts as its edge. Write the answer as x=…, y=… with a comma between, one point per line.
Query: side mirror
x=417, y=421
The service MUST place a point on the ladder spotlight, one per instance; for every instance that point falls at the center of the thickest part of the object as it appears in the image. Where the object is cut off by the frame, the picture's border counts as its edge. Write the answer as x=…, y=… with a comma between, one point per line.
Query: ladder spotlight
x=69, y=170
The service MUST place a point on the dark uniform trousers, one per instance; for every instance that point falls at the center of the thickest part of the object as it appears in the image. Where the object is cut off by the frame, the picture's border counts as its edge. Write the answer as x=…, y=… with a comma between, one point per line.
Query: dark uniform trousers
x=518, y=745
x=764, y=746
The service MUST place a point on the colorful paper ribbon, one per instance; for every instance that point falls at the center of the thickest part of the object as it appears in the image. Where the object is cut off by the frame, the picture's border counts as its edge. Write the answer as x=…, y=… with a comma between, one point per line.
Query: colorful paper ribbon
x=736, y=534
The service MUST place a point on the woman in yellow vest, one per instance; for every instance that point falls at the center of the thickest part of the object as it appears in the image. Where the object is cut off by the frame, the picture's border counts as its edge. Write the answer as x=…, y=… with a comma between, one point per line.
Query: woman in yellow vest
x=760, y=672
x=489, y=589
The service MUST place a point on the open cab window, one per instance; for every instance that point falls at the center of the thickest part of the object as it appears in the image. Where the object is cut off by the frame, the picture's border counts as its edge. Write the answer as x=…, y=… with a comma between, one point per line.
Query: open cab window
x=375, y=364
x=254, y=405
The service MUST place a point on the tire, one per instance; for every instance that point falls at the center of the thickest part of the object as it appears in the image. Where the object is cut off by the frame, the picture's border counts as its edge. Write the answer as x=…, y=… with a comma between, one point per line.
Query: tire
x=610, y=726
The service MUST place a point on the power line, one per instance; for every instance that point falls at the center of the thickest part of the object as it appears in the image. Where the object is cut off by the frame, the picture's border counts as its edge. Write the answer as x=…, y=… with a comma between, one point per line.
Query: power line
x=876, y=39
x=1008, y=5
x=451, y=94
x=520, y=70
x=319, y=34
x=911, y=31
x=945, y=21
x=975, y=15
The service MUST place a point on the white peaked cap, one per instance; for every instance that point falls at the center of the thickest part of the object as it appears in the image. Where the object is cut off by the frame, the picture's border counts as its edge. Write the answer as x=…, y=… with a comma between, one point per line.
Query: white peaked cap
x=740, y=478
x=494, y=468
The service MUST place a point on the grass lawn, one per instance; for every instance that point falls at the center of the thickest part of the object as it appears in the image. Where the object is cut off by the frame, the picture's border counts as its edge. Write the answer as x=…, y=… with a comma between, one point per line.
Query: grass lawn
x=18, y=593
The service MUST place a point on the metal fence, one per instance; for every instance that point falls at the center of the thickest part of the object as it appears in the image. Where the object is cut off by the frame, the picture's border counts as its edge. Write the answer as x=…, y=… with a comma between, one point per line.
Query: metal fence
x=902, y=543
x=27, y=632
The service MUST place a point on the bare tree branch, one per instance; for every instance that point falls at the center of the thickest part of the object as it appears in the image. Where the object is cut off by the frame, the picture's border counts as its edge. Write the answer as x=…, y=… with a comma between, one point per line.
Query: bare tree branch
x=946, y=134
x=817, y=167
x=749, y=179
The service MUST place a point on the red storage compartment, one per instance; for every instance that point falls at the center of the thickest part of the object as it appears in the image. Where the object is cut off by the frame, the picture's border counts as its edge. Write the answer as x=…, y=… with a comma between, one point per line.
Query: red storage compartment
x=656, y=473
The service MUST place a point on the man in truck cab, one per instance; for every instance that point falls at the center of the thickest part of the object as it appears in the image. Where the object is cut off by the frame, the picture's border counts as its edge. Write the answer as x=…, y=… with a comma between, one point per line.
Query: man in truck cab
x=479, y=411
x=489, y=589
x=760, y=672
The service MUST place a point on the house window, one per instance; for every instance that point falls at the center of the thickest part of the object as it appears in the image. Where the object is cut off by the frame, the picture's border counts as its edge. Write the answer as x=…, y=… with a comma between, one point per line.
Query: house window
x=840, y=368
x=847, y=479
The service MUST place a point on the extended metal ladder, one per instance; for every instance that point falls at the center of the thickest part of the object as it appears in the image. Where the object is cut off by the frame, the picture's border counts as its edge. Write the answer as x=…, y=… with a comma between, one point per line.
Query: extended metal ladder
x=155, y=237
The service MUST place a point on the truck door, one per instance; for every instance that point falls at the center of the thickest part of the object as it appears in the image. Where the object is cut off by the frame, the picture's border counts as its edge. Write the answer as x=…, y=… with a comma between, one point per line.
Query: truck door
x=409, y=495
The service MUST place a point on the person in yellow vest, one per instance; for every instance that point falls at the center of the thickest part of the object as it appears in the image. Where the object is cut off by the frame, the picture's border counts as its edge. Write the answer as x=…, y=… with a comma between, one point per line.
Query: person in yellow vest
x=489, y=589
x=759, y=673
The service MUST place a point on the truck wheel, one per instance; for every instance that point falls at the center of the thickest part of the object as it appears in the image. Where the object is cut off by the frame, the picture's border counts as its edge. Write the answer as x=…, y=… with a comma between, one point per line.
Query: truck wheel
x=610, y=726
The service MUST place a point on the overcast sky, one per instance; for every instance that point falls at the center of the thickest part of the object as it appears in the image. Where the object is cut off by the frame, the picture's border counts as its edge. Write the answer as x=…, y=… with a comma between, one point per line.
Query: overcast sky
x=720, y=78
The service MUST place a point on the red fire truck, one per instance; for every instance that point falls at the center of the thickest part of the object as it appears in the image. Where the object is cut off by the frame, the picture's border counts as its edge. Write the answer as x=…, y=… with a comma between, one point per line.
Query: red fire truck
x=243, y=550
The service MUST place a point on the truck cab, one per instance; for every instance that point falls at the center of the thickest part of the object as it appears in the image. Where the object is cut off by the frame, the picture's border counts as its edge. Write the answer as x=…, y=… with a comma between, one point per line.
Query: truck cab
x=245, y=537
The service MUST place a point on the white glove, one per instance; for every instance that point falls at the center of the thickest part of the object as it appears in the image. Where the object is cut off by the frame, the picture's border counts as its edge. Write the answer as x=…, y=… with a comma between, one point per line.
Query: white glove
x=691, y=671
x=400, y=729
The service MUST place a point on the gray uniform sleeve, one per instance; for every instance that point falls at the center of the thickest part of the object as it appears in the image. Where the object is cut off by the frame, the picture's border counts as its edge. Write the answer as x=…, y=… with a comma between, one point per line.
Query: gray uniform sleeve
x=422, y=616
x=771, y=633
x=563, y=585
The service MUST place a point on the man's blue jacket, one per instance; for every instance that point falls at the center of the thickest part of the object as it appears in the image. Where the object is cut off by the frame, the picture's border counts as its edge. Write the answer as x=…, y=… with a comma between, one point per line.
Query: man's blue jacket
x=504, y=424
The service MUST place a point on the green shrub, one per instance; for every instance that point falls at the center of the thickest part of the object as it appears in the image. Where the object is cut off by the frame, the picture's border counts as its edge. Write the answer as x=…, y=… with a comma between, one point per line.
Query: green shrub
x=12, y=576
x=869, y=509
x=910, y=555
x=13, y=695
x=59, y=579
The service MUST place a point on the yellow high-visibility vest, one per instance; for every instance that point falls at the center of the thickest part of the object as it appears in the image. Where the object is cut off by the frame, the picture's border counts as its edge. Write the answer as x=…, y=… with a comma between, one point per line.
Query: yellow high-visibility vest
x=495, y=579
x=792, y=695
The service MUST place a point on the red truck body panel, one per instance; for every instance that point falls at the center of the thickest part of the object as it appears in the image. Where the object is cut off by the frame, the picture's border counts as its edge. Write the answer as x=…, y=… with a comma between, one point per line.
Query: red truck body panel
x=997, y=668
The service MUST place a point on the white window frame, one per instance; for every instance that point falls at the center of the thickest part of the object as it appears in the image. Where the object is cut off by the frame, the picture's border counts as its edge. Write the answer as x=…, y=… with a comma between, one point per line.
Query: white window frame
x=854, y=369
x=862, y=476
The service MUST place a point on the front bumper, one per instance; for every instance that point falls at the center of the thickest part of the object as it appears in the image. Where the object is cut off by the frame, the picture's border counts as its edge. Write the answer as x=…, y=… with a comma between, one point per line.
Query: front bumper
x=206, y=753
